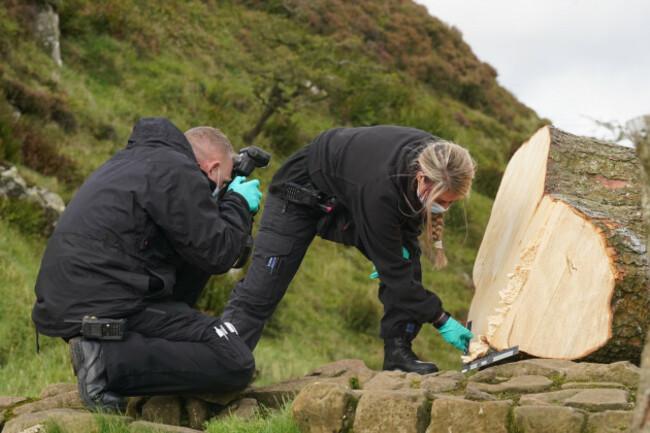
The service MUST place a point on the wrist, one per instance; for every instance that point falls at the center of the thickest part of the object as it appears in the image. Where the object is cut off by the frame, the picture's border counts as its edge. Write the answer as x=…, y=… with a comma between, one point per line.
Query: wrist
x=444, y=317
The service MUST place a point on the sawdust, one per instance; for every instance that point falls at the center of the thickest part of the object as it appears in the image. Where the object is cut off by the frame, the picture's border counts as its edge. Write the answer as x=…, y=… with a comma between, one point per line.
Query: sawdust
x=516, y=282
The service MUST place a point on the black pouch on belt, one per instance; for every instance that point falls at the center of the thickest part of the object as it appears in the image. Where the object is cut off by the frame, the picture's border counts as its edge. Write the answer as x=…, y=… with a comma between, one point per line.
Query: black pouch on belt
x=103, y=328
x=337, y=226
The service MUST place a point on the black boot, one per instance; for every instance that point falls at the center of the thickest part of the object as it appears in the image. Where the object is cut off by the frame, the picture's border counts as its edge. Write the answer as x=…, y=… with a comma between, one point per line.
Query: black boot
x=88, y=366
x=399, y=356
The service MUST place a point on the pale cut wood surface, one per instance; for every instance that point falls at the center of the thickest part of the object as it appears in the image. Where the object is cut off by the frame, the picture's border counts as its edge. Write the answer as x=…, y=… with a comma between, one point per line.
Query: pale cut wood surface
x=561, y=251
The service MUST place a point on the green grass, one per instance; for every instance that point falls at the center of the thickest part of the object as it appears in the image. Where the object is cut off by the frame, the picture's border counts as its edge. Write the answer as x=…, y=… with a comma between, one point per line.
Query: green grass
x=265, y=421
x=22, y=371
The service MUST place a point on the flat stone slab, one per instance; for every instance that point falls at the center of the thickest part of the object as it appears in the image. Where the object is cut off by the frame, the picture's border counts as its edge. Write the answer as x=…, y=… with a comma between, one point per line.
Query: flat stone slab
x=455, y=415
x=69, y=419
x=339, y=368
x=6, y=402
x=571, y=385
x=518, y=384
x=345, y=372
x=69, y=400
x=471, y=393
x=395, y=380
x=610, y=421
x=547, y=398
x=57, y=389
x=275, y=395
x=446, y=396
x=620, y=372
x=449, y=374
x=548, y=419
x=529, y=367
x=246, y=408
x=438, y=384
x=392, y=411
x=600, y=400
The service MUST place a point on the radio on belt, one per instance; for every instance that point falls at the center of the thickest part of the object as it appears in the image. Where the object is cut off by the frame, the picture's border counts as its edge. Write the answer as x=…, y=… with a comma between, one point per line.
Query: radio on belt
x=103, y=329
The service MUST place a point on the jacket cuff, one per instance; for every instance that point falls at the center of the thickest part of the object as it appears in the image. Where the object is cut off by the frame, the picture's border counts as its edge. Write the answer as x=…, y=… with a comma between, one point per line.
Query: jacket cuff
x=440, y=322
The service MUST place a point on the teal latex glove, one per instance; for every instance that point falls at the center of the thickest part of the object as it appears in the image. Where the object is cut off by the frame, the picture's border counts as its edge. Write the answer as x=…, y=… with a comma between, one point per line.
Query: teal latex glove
x=455, y=334
x=405, y=254
x=249, y=190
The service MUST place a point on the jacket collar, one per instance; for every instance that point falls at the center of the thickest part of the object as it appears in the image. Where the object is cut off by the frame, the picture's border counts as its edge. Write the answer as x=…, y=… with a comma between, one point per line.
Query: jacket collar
x=160, y=131
x=405, y=180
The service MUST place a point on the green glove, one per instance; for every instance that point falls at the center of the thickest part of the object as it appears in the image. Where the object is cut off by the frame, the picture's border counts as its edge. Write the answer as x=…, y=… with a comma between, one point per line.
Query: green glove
x=249, y=190
x=455, y=334
x=405, y=254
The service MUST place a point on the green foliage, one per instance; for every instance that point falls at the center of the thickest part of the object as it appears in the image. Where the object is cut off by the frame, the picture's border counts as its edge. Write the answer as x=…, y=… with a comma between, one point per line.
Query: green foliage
x=283, y=134
x=487, y=180
x=9, y=144
x=40, y=153
x=8, y=30
x=28, y=217
x=428, y=116
x=361, y=312
x=217, y=291
x=41, y=104
x=375, y=96
x=403, y=36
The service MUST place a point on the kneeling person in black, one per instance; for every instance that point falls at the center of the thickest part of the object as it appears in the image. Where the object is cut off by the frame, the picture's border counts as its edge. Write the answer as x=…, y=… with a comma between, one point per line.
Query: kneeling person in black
x=138, y=242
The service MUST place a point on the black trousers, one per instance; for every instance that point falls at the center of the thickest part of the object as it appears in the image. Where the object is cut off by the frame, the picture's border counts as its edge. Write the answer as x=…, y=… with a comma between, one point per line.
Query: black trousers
x=285, y=233
x=171, y=348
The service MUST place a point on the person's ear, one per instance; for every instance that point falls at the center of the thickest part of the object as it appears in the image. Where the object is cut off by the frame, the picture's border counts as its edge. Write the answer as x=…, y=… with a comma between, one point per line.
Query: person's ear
x=213, y=170
x=421, y=180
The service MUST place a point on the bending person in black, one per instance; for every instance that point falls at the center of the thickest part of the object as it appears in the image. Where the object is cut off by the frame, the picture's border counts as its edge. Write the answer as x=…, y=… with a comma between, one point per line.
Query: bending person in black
x=384, y=182
x=138, y=242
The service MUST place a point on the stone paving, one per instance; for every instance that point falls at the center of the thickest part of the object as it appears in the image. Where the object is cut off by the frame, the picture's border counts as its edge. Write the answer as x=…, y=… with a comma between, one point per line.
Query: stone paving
x=531, y=396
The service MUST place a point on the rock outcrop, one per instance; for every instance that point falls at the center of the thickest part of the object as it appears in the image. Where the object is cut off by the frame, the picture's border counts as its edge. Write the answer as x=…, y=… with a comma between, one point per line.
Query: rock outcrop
x=46, y=31
x=12, y=185
x=532, y=396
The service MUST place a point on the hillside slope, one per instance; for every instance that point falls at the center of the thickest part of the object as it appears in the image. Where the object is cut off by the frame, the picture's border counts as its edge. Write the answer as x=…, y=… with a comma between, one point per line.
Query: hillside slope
x=271, y=73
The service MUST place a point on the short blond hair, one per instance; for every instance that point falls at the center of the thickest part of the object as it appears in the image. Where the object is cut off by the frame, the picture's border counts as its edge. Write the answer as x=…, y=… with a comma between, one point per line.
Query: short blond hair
x=450, y=168
x=206, y=140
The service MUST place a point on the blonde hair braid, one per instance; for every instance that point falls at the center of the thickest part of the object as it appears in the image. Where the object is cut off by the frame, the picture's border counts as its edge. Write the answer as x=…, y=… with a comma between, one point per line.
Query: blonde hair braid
x=450, y=168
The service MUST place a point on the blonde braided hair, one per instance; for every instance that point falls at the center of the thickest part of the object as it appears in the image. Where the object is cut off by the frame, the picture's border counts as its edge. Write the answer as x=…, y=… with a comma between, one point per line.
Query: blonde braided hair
x=449, y=167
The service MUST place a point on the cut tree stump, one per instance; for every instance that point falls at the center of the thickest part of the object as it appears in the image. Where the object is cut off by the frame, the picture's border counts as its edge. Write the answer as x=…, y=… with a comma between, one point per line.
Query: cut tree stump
x=562, y=270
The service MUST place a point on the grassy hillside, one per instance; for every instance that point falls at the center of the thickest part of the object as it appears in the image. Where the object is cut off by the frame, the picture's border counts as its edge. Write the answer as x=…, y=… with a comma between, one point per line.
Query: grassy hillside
x=264, y=74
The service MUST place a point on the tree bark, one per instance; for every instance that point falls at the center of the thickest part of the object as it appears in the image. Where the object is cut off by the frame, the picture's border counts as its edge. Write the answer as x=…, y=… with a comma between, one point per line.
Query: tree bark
x=562, y=270
x=640, y=134
x=273, y=104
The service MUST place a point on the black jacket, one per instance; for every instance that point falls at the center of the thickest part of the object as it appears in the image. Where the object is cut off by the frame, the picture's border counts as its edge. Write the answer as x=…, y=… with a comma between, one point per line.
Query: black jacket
x=143, y=227
x=370, y=172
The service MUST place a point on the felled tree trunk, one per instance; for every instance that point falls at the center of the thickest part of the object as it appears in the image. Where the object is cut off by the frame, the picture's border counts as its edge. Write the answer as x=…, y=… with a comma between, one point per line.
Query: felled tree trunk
x=562, y=270
x=640, y=133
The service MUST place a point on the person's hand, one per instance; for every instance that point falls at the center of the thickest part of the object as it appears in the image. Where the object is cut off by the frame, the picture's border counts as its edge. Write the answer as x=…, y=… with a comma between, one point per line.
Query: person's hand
x=455, y=334
x=405, y=254
x=249, y=190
